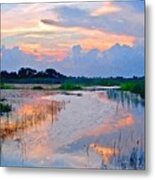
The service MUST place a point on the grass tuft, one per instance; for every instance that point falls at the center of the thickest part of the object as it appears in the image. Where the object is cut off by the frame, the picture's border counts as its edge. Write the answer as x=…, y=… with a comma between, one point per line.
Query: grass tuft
x=137, y=87
x=5, y=86
x=37, y=88
x=70, y=87
x=4, y=108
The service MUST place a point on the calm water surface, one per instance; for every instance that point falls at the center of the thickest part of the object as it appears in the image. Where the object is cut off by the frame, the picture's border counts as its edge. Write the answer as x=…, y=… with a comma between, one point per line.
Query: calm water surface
x=80, y=129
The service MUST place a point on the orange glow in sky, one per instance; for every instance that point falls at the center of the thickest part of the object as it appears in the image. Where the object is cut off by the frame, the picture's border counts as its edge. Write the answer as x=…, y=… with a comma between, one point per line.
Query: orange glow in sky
x=36, y=38
x=40, y=30
x=106, y=8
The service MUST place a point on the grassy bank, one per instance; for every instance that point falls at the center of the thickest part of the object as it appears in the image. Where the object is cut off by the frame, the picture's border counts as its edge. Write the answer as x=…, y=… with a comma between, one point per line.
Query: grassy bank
x=137, y=87
x=134, y=85
x=6, y=86
x=70, y=86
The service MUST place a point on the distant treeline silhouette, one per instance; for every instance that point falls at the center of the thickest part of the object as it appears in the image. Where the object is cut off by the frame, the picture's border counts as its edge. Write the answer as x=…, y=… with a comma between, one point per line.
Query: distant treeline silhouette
x=50, y=75
x=29, y=75
x=32, y=73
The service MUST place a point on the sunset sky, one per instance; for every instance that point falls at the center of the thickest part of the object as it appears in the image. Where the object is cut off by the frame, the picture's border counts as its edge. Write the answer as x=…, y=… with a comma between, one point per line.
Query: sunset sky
x=79, y=39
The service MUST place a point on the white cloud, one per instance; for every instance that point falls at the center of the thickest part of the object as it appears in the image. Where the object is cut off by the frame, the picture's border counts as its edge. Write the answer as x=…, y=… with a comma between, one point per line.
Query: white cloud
x=116, y=61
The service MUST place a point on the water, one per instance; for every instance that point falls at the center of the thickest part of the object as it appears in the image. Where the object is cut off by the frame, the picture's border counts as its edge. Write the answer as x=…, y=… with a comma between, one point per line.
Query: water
x=85, y=129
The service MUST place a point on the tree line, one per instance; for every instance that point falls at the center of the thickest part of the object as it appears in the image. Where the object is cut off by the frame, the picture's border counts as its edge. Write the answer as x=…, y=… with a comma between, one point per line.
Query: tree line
x=51, y=76
x=31, y=73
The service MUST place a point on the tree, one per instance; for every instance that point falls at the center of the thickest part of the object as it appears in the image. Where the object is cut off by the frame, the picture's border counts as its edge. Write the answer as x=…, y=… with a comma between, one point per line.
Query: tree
x=51, y=72
x=4, y=74
x=26, y=72
x=40, y=74
x=13, y=75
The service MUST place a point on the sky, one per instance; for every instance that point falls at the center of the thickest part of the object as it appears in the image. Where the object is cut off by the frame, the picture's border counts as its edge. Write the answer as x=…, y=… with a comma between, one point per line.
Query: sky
x=94, y=39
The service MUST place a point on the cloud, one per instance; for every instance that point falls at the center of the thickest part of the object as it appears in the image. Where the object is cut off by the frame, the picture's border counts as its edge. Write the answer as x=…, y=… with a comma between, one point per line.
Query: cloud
x=116, y=61
x=57, y=27
x=106, y=8
x=92, y=37
x=14, y=58
x=109, y=38
x=128, y=19
x=40, y=52
x=56, y=38
x=24, y=17
x=51, y=22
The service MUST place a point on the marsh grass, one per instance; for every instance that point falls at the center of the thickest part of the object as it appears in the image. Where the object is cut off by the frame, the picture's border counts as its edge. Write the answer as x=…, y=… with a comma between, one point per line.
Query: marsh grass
x=6, y=86
x=137, y=87
x=28, y=120
x=70, y=86
x=113, y=157
x=37, y=88
x=5, y=108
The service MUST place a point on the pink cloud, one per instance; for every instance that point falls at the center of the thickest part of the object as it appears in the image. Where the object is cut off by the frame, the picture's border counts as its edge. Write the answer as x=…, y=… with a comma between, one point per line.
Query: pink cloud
x=40, y=52
x=106, y=8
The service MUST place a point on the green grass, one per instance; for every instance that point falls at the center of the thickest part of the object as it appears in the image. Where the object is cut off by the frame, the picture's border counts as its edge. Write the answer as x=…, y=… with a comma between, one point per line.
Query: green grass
x=137, y=87
x=70, y=87
x=133, y=85
x=37, y=88
x=4, y=108
x=5, y=86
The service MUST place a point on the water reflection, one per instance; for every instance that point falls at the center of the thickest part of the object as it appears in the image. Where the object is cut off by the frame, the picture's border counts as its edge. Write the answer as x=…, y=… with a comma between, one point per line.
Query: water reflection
x=105, y=127
x=29, y=116
x=111, y=127
x=120, y=144
x=23, y=125
x=107, y=153
x=125, y=98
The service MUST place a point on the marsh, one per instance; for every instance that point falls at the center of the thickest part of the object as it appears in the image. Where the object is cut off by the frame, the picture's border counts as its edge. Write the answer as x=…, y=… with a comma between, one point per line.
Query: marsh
x=101, y=129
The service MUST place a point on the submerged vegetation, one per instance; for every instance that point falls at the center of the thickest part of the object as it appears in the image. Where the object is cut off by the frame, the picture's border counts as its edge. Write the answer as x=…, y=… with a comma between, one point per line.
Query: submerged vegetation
x=29, y=119
x=4, y=108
